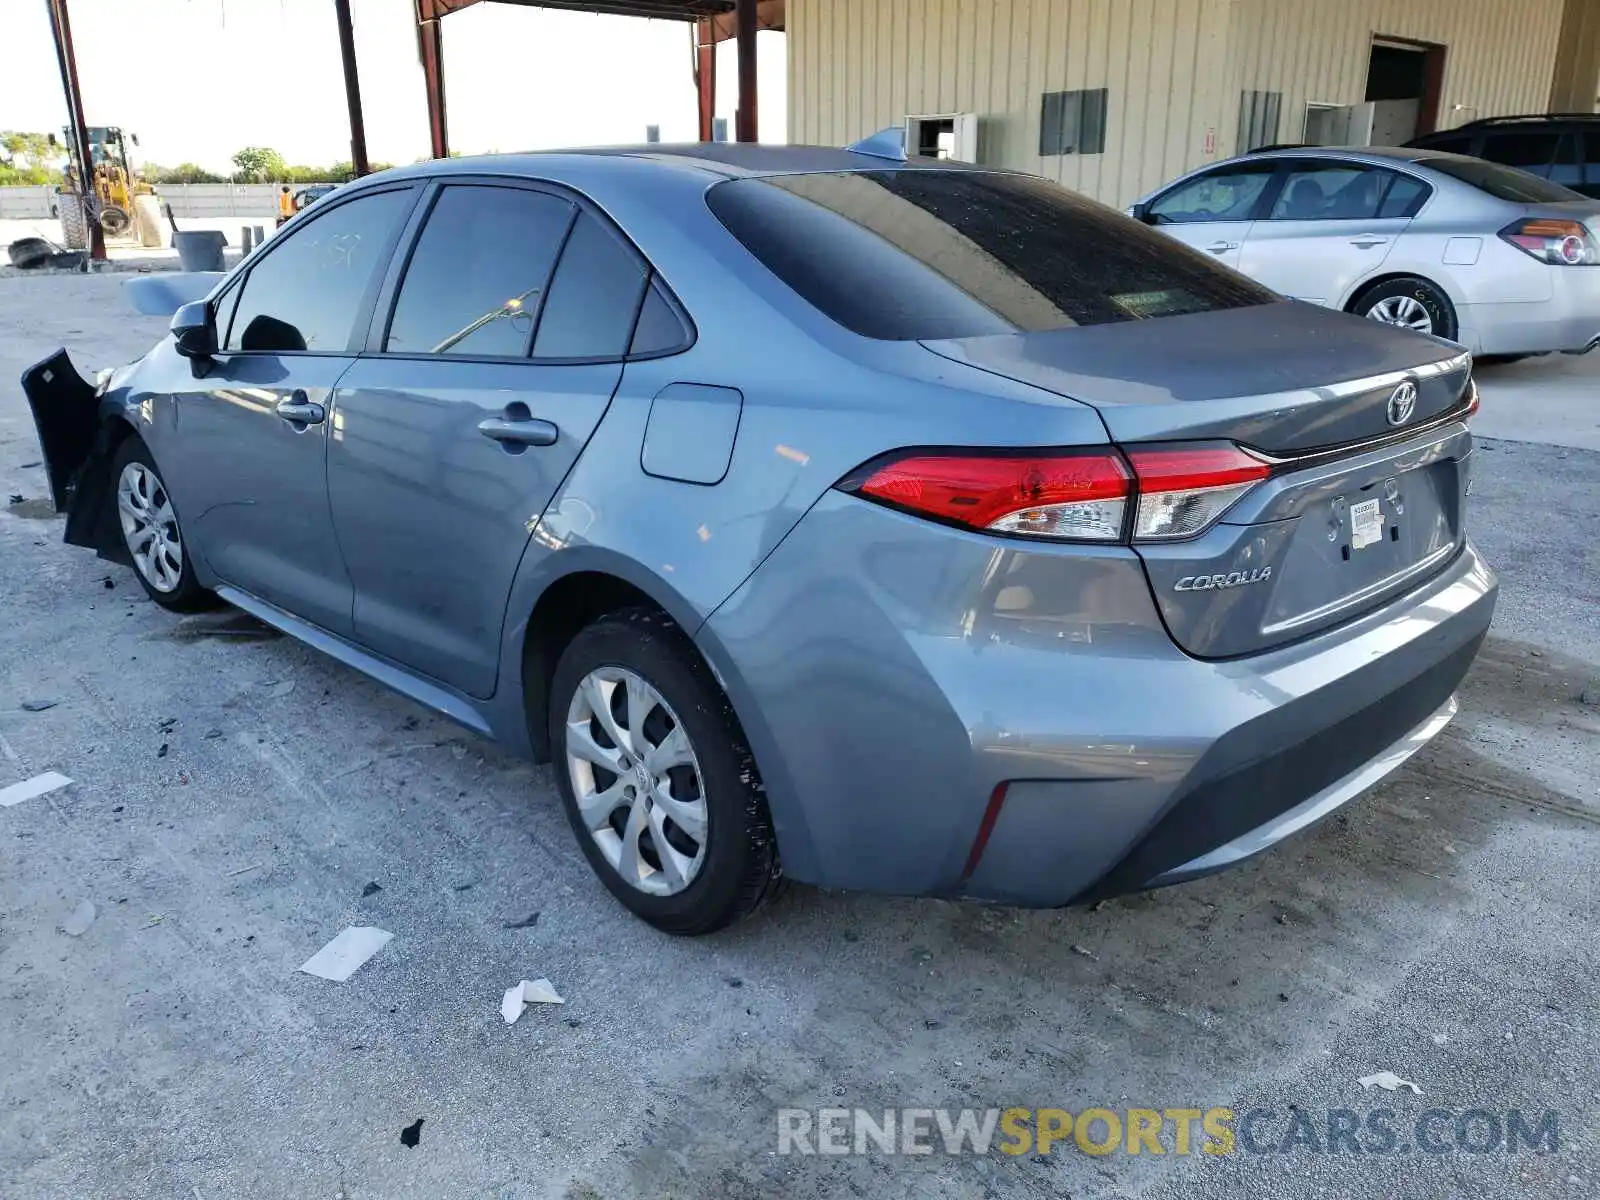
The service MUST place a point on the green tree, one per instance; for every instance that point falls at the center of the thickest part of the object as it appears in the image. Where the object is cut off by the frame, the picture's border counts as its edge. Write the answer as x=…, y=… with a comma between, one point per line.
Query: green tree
x=28, y=158
x=258, y=164
x=188, y=173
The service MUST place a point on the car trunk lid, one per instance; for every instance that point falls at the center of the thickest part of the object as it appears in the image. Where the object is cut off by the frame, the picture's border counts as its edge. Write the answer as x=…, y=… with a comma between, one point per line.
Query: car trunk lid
x=1355, y=510
x=1282, y=378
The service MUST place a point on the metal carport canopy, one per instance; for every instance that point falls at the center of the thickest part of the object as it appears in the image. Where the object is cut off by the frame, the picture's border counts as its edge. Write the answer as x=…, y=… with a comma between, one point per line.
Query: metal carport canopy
x=716, y=20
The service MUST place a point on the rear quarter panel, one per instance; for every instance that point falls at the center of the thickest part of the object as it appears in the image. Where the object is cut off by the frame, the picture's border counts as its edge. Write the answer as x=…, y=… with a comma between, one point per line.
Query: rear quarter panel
x=1454, y=243
x=817, y=401
x=808, y=417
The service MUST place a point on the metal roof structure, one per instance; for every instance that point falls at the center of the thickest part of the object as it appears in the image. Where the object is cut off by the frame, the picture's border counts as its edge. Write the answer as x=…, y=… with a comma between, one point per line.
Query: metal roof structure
x=715, y=21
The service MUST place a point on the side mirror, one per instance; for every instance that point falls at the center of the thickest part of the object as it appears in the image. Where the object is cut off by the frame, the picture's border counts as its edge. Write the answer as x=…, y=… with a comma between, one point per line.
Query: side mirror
x=193, y=331
x=1141, y=213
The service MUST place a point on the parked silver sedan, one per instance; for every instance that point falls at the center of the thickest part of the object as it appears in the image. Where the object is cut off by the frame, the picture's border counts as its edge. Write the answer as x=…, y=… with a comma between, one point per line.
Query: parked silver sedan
x=1498, y=260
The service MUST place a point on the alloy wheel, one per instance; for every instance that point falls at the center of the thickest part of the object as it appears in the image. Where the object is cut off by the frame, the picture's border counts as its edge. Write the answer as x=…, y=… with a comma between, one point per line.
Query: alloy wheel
x=1405, y=311
x=636, y=780
x=150, y=527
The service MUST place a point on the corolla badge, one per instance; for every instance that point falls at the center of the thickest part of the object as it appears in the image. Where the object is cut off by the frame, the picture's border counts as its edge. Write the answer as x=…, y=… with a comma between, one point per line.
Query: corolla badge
x=1233, y=579
x=1402, y=403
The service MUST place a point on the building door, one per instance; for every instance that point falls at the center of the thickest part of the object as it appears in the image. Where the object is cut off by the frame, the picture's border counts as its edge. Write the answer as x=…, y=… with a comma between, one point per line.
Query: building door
x=1403, y=84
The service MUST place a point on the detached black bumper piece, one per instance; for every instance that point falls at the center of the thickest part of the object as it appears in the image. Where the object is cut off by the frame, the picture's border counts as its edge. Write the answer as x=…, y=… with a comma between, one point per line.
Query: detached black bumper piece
x=66, y=414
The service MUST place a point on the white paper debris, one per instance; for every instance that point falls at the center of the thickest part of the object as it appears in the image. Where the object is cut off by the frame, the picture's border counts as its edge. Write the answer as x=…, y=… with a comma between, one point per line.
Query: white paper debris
x=78, y=921
x=1388, y=1081
x=29, y=788
x=1440, y=1039
x=538, y=991
x=343, y=956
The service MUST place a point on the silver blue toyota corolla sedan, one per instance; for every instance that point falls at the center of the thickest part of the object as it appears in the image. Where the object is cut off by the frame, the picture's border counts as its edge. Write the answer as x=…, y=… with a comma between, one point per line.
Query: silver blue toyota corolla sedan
x=902, y=526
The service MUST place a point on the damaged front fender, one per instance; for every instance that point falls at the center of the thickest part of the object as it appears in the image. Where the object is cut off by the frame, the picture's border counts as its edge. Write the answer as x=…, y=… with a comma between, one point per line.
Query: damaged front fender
x=77, y=445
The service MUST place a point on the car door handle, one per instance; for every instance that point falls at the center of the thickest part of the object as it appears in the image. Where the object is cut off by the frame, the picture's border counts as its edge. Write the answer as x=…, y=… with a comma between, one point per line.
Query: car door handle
x=1222, y=247
x=300, y=410
x=1368, y=240
x=527, y=432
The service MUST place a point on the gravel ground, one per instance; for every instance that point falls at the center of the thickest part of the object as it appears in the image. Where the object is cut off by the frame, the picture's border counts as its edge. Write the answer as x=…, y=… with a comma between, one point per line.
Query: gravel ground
x=237, y=798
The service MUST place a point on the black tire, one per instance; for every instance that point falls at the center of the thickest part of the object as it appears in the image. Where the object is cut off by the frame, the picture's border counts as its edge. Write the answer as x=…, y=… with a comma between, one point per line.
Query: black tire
x=739, y=870
x=1441, y=313
x=115, y=221
x=30, y=252
x=187, y=595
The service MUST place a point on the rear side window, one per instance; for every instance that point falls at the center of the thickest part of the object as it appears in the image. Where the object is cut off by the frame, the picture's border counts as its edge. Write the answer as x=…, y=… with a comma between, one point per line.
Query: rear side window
x=594, y=296
x=1329, y=193
x=1567, y=169
x=659, y=330
x=1346, y=192
x=479, y=271
x=1405, y=197
x=911, y=254
x=1533, y=152
x=306, y=293
x=1503, y=183
x=1449, y=143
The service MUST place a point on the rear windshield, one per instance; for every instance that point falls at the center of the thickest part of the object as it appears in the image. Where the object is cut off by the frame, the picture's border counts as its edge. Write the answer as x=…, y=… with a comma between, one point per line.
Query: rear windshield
x=916, y=254
x=1503, y=183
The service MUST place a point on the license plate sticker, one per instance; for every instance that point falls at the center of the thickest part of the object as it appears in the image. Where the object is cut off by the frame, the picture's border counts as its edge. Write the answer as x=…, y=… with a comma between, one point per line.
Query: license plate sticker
x=1366, y=524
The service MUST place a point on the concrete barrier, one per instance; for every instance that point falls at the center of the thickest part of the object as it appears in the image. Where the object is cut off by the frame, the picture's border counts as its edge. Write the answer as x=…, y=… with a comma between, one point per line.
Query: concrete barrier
x=205, y=201
x=26, y=203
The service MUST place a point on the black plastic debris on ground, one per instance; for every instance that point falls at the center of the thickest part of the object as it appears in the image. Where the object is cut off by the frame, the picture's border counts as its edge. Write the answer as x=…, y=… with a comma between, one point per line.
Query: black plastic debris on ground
x=412, y=1134
x=527, y=922
x=38, y=705
x=372, y=889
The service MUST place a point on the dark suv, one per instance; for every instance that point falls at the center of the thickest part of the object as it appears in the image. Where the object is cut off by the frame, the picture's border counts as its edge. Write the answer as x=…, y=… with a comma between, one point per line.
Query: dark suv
x=1561, y=147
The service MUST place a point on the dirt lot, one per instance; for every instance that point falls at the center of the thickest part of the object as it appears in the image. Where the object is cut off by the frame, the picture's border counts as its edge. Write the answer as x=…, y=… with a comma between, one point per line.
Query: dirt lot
x=236, y=798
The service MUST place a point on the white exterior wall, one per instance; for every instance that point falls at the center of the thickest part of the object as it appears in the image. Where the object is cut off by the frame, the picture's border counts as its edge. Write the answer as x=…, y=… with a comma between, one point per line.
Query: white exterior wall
x=1577, y=81
x=1174, y=69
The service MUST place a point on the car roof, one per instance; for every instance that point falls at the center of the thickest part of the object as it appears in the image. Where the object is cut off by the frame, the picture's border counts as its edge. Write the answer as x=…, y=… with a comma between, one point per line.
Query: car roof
x=1376, y=155
x=725, y=159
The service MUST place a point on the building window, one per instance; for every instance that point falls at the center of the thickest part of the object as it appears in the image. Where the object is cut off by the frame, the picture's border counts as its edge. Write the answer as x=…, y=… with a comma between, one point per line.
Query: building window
x=1258, y=119
x=1073, y=122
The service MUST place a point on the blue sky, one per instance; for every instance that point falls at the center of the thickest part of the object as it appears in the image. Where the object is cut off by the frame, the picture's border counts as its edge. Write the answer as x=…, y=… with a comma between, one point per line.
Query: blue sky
x=198, y=79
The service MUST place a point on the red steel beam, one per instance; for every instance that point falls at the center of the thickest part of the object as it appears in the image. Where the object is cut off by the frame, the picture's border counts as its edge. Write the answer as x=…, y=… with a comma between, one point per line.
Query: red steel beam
x=61, y=27
x=705, y=77
x=430, y=47
x=745, y=33
x=352, y=89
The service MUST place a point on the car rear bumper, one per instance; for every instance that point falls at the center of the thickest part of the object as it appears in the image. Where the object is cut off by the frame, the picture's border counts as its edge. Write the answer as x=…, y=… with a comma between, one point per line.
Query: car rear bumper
x=938, y=713
x=1569, y=321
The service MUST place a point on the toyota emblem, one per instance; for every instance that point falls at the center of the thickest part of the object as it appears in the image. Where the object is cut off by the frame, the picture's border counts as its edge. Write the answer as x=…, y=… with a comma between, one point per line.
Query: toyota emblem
x=1402, y=403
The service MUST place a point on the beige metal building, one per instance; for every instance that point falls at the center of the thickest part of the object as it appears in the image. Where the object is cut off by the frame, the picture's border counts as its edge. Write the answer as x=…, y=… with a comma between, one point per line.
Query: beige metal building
x=1112, y=97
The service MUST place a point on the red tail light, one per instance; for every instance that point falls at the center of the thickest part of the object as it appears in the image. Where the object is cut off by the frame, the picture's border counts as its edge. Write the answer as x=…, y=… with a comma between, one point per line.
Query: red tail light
x=1072, y=494
x=1557, y=242
x=1183, y=489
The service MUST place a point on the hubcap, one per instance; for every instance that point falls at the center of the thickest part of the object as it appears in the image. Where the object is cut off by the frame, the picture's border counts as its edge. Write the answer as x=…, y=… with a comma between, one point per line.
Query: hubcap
x=636, y=780
x=150, y=527
x=1406, y=311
